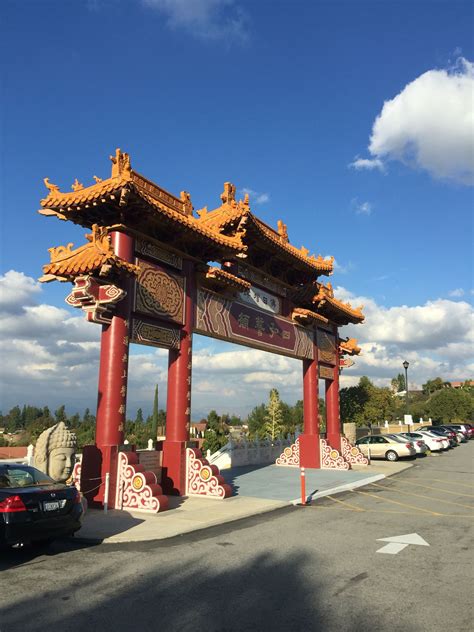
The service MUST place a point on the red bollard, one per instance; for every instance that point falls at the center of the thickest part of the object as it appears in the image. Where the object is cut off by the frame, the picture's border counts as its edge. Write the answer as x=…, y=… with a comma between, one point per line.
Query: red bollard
x=303, y=486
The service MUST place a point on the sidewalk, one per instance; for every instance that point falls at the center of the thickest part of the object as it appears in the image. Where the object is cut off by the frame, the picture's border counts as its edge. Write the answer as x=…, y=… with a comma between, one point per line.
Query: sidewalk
x=260, y=490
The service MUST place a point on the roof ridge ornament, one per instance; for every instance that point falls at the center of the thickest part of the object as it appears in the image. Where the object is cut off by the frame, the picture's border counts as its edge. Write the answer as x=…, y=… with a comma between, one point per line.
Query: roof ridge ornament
x=187, y=204
x=77, y=186
x=53, y=188
x=228, y=195
x=121, y=166
x=283, y=231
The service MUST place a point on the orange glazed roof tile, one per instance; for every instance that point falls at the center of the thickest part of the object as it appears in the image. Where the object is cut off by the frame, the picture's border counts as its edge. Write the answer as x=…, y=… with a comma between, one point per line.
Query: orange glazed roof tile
x=349, y=347
x=97, y=255
x=118, y=188
x=306, y=315
x=232, y=211
x=327, y=302
x=227, y=279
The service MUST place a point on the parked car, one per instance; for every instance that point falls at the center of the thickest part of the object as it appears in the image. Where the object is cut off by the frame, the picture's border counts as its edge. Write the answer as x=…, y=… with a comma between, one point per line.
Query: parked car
x=418, y=443
x=387, y=447
x=467, y=428
x=34, y=508
x=433, y=444
x=453, y=440
x=441, y=441
x=462, y=437
x=459, y=429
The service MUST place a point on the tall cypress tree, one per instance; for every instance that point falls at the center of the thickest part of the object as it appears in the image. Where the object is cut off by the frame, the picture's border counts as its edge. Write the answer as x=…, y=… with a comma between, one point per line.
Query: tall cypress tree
x=154, y=419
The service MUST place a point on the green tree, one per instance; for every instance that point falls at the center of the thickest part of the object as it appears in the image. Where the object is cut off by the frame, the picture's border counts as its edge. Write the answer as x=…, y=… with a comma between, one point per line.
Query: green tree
x=154, y=420
x=274, y=415
x=366, y=403
x=214, y=436
x=432, y=386
x=398, y=383
x=234, y=420
x=139, y=417
x=449, y=404
x=256, y=422
x=14, y=419
x=60, y=414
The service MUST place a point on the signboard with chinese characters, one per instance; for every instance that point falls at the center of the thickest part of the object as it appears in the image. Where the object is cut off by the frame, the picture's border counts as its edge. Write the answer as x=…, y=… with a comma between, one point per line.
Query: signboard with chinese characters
x=326, y=347
x=326, y=372
x=261, y=300
x=159, y=293
x=238, y=322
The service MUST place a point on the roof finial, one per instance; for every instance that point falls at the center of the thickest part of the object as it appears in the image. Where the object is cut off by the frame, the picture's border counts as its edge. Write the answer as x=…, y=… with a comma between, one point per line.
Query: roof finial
x=282, y=230
x=187, y=204
x=77, y=186
x=228, y=195
x=49, y=185
x=121, y=164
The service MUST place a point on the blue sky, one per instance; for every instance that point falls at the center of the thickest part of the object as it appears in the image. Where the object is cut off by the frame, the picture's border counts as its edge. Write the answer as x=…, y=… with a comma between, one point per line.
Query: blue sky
x=280, y=98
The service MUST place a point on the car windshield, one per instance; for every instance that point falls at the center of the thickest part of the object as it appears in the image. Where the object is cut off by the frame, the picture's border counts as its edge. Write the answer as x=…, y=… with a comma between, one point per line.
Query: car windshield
x=14, y=475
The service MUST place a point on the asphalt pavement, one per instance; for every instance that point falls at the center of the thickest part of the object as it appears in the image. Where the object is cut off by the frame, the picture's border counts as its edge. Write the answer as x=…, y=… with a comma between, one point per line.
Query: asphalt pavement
x=315, y=568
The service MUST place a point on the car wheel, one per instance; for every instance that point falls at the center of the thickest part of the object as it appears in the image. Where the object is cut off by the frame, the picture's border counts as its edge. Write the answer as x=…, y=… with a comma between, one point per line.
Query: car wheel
x=391, y=455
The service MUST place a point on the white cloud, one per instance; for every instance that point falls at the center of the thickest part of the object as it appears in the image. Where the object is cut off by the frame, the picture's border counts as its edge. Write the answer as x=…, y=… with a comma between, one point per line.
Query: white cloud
x=204, y=19
x=51, y=357
x=367, y=163
x=458, y=292
x=341, y=268
x=254, y=196
x=436, y=338
x=362, y=208
x=429, y=125
x=17, y=290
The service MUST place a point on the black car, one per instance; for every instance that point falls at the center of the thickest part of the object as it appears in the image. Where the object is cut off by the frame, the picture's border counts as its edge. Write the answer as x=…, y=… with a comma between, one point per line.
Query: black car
x=34, y=507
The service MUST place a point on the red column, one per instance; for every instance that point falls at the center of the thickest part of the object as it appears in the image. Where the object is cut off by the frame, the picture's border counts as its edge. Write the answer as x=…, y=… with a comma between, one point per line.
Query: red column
x=309, y=440
x=333, y=423
x=112, y=396
x=178, y=407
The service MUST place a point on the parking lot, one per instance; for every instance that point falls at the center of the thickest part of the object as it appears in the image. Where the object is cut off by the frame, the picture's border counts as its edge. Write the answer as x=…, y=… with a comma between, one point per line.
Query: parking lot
x=315, y=568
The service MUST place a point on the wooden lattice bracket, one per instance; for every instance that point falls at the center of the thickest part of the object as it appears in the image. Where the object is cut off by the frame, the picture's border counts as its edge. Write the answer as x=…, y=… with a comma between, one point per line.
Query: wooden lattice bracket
x=331, y=459
x=290, y=457
x=203, y=479
x=352, y=454
x=137, y=488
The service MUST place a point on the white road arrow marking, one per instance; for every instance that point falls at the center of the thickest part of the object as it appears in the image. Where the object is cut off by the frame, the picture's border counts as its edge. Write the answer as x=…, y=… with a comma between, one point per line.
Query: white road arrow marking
x=399, y=542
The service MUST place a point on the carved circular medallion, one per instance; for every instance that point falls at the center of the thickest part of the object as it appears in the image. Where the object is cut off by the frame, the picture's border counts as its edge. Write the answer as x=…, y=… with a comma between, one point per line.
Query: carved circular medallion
x=158, y=292
x=354, y=451
x=205, y=474
x=137, y=483
x=287, y=451
x=334, y=454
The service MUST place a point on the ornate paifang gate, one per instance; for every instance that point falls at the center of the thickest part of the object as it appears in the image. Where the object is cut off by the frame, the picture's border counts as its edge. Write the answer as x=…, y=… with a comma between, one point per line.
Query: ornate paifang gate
x=144, y=276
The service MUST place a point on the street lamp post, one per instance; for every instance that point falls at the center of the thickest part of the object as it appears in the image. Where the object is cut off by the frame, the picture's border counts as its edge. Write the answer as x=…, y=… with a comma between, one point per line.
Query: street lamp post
x=405, y=366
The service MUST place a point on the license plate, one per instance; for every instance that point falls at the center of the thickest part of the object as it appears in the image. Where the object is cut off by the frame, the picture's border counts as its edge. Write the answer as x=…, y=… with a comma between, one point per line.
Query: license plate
x=51, y=506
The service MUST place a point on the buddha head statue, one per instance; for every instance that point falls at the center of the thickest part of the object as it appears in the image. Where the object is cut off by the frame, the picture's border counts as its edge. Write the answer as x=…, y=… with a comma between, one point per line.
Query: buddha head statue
x=55, y=452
